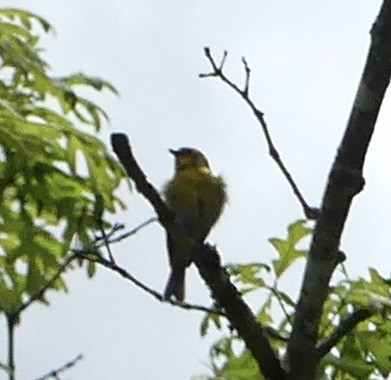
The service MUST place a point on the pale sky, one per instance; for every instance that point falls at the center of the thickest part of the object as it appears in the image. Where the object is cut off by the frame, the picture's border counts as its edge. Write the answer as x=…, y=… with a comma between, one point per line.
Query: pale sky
x=306, y=59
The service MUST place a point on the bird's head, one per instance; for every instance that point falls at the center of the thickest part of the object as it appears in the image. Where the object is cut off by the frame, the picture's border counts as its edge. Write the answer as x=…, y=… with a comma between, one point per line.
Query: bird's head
x=186, y=158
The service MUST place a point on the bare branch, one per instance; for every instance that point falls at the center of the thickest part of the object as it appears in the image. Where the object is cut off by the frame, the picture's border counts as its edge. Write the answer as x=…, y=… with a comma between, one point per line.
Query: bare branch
x=40, y=293
x=255, y=336
x=225, y=55
x=344, y=328
x=248, y=72
x=276, y=293
x=108, y=234
x=344, y=183
x=132, y=231
x=56, y=372
x=122, y=149
x=125, y=274
x=106, y=244
x=309, y=212
x=207, y=261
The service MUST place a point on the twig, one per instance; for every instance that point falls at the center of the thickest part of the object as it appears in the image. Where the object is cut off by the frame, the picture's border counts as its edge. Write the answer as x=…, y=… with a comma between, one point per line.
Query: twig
x=39, y=294
x=106, y=244
x=56, y=372
x=309, y=212
x=276, y=334
x=132, y=231
x=109, y=237
x=125, y=274
x=248, y=72
x=344, y=328
x=282, y=306
x=116, y=227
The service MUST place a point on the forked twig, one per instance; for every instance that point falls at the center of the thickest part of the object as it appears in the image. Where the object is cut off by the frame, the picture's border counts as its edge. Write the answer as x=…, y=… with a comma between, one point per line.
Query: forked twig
x=217, y=71
x=133, y=231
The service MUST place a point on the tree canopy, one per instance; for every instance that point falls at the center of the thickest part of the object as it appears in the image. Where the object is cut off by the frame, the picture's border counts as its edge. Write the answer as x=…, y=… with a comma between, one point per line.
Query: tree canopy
x=58, y=184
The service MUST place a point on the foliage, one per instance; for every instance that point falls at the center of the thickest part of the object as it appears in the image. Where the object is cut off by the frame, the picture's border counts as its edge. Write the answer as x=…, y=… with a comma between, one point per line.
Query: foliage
x=52, y=172
x=362, y=354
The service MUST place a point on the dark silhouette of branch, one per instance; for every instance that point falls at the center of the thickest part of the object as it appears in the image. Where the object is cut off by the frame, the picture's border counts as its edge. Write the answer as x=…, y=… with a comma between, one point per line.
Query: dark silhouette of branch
x=113, y=266
x=108, y=234
x=109, y=237
x=56, y=372
x=276, y=293
x=207, y=261
x=344, y=182
x=344, y=328
x=106, y=244
x=217, y=71
x=132, y=232
x=121, y=147
x=11, y=323
x=40, y=293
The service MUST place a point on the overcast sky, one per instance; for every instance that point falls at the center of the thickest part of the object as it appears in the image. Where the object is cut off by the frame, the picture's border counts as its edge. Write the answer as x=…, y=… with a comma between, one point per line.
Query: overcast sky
x=306, y=59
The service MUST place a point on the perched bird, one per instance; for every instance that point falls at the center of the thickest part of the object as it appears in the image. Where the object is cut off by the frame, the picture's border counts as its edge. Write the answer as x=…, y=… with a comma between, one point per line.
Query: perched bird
x=197, y=198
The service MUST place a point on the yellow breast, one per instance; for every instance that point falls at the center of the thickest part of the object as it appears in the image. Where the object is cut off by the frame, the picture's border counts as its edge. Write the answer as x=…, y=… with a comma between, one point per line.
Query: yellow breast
x=197, y=197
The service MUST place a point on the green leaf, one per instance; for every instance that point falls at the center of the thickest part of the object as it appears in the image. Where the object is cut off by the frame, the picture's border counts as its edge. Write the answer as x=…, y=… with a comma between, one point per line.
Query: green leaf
x=80, y=79
x=264, y=316
x=354, y=367
x=249, y=276
x=210, y=318
x=237, y=366
x=287, y=250
x=25, y=18
x=91, y=269
x=379, y=346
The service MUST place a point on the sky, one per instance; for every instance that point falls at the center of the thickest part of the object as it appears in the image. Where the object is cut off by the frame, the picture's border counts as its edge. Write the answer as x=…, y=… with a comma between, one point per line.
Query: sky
x=306, y=60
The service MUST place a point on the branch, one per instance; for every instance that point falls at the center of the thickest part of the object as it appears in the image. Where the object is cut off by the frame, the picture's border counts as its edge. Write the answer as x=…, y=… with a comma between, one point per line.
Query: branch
x=344, y=328
x=344, y=182
x=309, y=212
x=132, y=232
x=55, y=372
x=122, y=149
x=238, y=312
x=110, y=238
x=40, y=293
x=208, y=263
x=113, y=266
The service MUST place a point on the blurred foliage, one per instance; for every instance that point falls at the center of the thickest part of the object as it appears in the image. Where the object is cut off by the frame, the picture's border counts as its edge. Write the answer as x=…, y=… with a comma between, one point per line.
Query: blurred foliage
x=51, y=171
x=365, y=353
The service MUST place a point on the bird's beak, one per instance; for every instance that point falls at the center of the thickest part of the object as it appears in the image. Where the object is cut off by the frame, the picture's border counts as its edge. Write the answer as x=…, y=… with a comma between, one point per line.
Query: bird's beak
x=173, y=152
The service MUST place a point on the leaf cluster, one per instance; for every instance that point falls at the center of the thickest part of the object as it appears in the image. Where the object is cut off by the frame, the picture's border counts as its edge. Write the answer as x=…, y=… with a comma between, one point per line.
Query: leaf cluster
x=52, y=172
x=363, y=353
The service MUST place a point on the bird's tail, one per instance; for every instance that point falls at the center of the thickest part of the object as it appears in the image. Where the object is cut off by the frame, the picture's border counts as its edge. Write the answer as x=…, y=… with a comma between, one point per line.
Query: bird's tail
x=176, y=285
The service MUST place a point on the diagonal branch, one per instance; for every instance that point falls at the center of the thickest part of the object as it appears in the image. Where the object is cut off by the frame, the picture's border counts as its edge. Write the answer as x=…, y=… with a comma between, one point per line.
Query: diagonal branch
x=344, y=328
x=208, y=263
x=344, y=182
x=121, y=147
x=39, y=294
x=309, y=212
x=113, y=266
x=132, y=232
x=56, y=372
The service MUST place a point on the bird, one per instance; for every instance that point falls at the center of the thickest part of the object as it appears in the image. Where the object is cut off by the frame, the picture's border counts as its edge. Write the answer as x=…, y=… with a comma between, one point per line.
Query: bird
x=197, y=198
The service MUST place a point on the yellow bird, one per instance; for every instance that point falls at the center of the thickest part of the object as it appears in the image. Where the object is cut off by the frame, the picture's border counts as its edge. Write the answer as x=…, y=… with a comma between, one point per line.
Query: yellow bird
x=197, y=197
